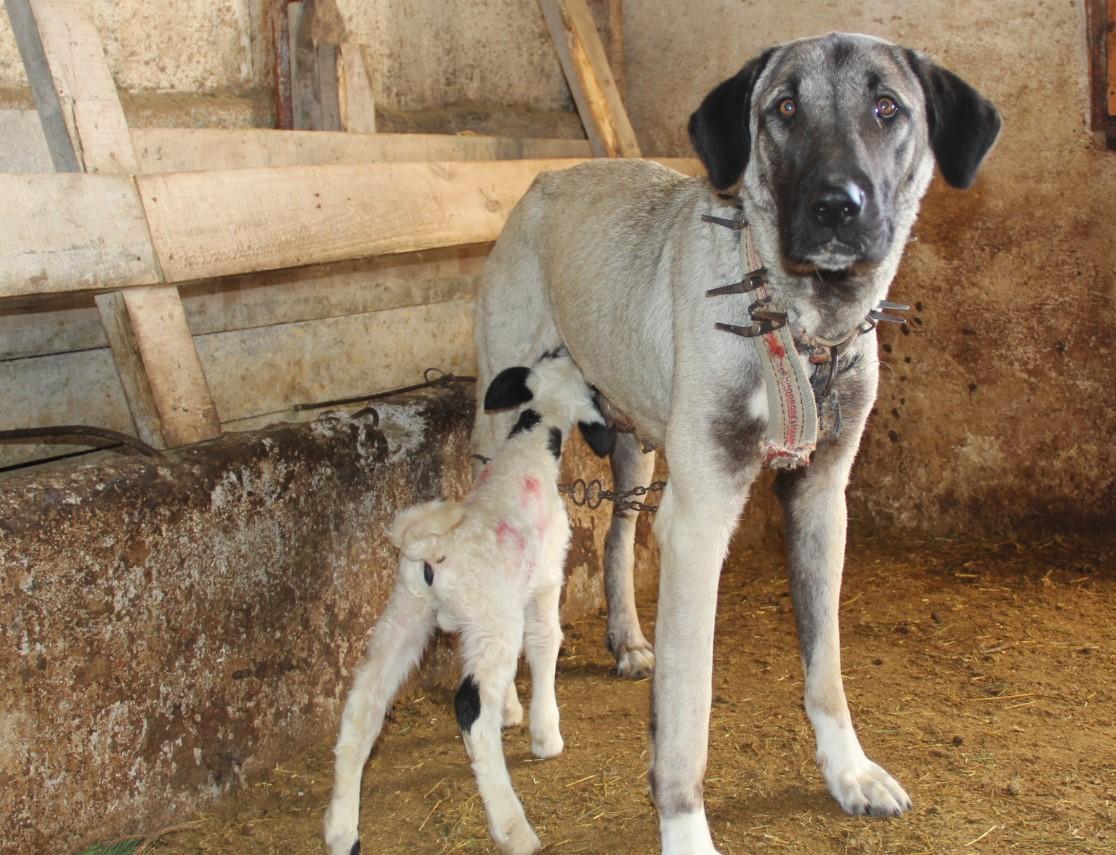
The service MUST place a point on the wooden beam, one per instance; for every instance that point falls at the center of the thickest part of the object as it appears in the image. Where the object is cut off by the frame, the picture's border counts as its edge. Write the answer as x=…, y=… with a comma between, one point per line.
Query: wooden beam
x=85, y=89
x=354, y=91
x=158, y=366
x=146, y=328
x=81, y=232
x=1110, y=29
x=193, y=149
x=616, y=43
x=590, y=79
x=47, y=101
x=72, y=232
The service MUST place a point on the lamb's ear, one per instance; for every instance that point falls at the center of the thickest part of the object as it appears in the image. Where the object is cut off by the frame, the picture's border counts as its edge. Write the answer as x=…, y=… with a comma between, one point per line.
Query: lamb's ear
x=963, y=123
x=719, y=128
x=416, y=529
x=600, y=437
x=508, y=389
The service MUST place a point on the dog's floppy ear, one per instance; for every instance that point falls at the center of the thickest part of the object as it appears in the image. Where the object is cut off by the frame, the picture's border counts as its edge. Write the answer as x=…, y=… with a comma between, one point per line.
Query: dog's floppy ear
x=508, y=389
x=600, y=436
x=963, y=123
x=719, y=128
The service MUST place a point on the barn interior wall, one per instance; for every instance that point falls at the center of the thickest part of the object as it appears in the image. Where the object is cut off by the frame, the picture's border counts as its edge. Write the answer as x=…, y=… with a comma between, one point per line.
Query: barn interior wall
x=1012, y=281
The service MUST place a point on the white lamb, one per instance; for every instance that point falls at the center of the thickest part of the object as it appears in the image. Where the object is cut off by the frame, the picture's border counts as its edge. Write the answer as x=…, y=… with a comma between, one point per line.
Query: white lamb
x=489, y=568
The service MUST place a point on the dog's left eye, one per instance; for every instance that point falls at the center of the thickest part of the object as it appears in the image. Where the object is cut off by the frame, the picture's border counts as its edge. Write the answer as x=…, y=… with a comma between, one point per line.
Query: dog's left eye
x=886, y=108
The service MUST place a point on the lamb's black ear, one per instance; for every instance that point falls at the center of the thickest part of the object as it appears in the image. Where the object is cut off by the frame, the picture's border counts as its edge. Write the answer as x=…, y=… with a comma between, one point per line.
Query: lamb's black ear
x=963, y=123
x=600, y=437
x=508, y=389
x=719, y=127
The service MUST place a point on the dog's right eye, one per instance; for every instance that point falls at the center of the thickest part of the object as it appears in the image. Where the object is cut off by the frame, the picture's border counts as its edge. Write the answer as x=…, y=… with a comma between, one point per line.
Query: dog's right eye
x=787, y=108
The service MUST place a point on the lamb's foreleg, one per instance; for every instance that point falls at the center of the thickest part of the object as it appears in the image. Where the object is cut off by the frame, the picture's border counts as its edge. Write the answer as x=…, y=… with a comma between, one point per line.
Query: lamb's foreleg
x=489, y=666
x=396, y=647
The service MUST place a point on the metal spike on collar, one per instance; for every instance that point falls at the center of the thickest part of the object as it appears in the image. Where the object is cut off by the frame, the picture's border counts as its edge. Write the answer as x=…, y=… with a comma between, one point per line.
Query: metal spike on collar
x=735, y=224
x=749, y=283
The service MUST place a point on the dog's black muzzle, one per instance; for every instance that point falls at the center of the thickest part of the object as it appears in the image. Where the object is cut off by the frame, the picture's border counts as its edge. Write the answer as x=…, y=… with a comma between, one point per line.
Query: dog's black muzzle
x=836, y=223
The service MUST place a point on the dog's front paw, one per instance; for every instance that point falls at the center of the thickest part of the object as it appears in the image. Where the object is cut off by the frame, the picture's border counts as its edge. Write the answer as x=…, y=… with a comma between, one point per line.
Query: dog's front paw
x=686, y=834
x=340, y=833
x=516, y=837
x=635, y=663
x=866, y=789
x=547, y=745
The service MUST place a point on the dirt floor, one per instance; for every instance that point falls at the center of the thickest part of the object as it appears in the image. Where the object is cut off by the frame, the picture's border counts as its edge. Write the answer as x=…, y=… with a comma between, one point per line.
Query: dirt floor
x=983, y=676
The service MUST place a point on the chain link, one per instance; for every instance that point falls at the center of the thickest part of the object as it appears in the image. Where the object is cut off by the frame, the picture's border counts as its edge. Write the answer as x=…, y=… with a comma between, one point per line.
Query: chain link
x=591, y=494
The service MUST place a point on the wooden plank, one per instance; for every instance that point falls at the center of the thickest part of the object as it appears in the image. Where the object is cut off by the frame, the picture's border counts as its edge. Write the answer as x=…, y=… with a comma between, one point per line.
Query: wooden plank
x=270, y=369
x=194, y=149
x=86, y=91
x=616, y=43
x=62, y=389
x=255, y=375
x=281, y=47
x=354, y=92
x=158, y=365
x=24, y=148
x=1110, y=28
x=71, y=322
x=328, y=96
x=220, y=223
x=590, y=79
x=71, y=232
x=31, y=51
x=84, y=232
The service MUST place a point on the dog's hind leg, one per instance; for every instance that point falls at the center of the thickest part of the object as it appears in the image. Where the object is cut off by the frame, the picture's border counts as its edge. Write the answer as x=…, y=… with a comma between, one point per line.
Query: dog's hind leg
x=396, y=647
x=633, y=653
x=814, y=509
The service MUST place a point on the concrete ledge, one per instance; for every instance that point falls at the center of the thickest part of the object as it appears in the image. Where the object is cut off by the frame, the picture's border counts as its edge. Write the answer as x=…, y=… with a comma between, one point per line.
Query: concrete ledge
x=169, y=627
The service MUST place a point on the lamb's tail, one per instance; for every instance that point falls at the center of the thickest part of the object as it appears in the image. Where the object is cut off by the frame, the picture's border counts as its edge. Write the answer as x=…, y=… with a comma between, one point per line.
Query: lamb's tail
x=417, y=531
x=397, y=645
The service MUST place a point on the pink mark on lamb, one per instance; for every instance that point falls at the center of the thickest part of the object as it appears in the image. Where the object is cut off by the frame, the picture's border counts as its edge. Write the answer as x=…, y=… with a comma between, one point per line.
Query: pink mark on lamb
x=509, y=535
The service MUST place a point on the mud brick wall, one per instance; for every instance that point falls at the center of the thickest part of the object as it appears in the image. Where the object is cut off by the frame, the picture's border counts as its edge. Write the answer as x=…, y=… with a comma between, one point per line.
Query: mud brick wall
x=169, y=627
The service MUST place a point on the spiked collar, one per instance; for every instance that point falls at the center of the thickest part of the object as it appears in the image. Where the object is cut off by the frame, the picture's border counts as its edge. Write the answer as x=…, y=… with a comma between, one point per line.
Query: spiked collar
x=798, y=405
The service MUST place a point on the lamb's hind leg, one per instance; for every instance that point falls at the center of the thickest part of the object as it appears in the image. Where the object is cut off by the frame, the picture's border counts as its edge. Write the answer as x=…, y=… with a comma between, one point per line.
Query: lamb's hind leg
x=542, y=640
x=489, y=665
x=633, y=653
x=396, y=647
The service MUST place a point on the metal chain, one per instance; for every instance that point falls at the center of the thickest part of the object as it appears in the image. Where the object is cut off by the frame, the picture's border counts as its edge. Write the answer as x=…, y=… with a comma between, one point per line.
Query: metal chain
x=593, y=493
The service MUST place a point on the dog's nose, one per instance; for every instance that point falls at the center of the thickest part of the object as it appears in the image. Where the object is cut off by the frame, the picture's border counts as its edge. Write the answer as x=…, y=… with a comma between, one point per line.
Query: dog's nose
x=838, y=202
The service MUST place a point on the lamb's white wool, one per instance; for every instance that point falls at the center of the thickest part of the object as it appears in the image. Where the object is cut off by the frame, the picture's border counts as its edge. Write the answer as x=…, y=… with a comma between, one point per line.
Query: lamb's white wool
x=491, y=569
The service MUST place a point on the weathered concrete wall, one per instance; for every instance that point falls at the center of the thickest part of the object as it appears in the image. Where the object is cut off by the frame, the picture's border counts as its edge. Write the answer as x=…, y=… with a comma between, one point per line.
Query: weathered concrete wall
x=197, y=63
x=997, y=409
x=170, y=627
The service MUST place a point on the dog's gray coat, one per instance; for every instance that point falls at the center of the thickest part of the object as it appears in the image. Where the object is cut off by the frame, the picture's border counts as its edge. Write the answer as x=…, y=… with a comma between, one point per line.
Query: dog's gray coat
x=612, y=260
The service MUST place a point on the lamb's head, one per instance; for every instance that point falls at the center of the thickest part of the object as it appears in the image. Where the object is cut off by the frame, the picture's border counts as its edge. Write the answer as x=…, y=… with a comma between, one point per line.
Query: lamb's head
x=553, y=392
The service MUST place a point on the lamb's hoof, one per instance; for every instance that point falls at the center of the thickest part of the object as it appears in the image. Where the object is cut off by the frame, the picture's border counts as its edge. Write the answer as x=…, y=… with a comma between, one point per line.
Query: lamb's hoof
x=868, y=790
x=547, y=746
x=635, y=663
x=519, y=839
x=513, y=712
